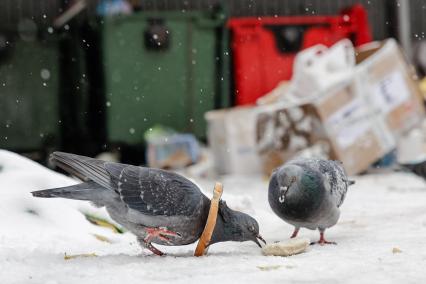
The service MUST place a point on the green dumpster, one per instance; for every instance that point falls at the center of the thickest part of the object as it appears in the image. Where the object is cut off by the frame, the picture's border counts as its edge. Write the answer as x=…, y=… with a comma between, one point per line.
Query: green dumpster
x=29, y=116
x=162, y=68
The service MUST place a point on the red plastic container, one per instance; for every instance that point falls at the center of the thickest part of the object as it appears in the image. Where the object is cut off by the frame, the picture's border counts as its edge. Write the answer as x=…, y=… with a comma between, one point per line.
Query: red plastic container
x=264, y=48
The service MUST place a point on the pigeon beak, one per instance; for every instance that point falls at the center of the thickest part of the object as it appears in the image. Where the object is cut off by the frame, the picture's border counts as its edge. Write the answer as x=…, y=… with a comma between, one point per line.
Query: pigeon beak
x=257, y=242
x=260, y=238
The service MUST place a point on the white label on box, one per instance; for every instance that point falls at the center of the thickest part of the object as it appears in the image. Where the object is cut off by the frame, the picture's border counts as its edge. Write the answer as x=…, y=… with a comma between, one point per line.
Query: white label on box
x=390, y=92
x=349, y=123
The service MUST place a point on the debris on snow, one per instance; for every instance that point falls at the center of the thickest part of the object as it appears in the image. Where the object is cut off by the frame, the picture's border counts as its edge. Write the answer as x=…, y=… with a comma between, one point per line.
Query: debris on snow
x=68, y=257
x=396, y=250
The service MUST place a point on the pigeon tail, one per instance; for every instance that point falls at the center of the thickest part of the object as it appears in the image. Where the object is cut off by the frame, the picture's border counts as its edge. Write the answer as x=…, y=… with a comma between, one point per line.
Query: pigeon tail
x=83, y=191
x=82, y=167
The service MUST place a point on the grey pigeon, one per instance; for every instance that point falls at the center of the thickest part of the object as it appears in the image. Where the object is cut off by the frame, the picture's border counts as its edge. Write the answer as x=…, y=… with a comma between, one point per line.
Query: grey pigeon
x=418, y=168
x=308, y=193
x=157, y=206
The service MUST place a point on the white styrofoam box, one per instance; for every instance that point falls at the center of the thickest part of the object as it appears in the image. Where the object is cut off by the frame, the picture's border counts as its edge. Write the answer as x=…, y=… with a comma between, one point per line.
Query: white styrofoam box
x=412, y=147
x=232, y=138
x=318, y=68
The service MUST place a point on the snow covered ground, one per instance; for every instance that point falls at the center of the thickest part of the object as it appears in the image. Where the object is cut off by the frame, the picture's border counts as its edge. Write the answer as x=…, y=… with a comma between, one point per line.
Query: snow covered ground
x=381, y=237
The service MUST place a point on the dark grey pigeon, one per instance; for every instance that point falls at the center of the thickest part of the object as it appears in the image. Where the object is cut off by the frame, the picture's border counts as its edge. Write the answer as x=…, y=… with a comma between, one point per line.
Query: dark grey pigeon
x=157, y=206
x=418, y=168
x=308, y=193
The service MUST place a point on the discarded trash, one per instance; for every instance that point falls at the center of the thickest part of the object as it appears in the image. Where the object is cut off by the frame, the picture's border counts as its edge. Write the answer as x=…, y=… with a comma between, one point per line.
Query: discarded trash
x=103, y=223
x=170, y=150
x=396, y=250
x=72, y=256
x=360, y=103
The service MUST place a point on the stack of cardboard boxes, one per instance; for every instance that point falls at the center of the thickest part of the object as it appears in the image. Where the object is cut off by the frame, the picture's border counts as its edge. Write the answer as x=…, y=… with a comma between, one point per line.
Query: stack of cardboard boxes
x=357, y=120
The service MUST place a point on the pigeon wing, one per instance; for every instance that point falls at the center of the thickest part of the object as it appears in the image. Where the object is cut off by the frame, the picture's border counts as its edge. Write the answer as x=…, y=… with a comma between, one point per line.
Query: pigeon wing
x=155, y=192
x=334, y=176
x=337, y=179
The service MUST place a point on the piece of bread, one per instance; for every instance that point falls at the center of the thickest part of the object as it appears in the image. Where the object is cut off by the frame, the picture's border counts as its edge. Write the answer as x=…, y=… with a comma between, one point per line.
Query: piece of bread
x=205, y=238
x=286, y=248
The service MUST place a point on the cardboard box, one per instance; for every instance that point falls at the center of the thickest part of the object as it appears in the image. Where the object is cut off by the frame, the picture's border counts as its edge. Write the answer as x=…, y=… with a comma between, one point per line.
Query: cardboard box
x=257, y=139
x=341, y=118
x=389, y=84
x=283, y=130
x=357, y=135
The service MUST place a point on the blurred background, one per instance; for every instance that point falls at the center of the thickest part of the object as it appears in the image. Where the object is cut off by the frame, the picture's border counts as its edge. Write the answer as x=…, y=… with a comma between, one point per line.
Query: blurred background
x=136, y=78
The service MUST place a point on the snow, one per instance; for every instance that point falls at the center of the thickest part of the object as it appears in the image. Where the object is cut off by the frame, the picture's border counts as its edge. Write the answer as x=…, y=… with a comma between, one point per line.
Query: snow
x=381, y=214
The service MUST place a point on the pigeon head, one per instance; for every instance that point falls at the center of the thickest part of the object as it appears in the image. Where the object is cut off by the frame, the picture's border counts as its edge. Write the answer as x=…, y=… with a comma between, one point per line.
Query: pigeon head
x=294, y=189
x=285, y=182
x=232, y=225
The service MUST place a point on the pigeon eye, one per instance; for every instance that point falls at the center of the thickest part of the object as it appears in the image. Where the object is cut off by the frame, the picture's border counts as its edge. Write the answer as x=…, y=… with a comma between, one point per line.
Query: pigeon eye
x=251, y=229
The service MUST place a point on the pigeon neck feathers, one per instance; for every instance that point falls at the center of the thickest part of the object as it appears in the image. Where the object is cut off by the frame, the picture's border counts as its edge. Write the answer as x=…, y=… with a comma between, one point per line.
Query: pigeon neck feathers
x=305, y=192
x=234, y=226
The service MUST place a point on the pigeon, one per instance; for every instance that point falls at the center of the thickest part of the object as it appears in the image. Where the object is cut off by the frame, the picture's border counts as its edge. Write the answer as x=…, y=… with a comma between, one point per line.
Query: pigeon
x=418, y=168
x=308, y=193
x=157, y=206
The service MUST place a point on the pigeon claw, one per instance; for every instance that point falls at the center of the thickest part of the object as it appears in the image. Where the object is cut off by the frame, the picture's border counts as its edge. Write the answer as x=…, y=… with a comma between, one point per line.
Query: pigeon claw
x=154, y=249
x=163, y=238
x=161, y=233
x=295, y=232
x=322, y=241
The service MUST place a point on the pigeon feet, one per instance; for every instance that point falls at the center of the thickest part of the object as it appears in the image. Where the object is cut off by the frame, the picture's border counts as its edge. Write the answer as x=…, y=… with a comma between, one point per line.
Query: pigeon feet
x=322, y=241
x=153, y=249
x=295, y=232
x=148, y=245
x=160, y=233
